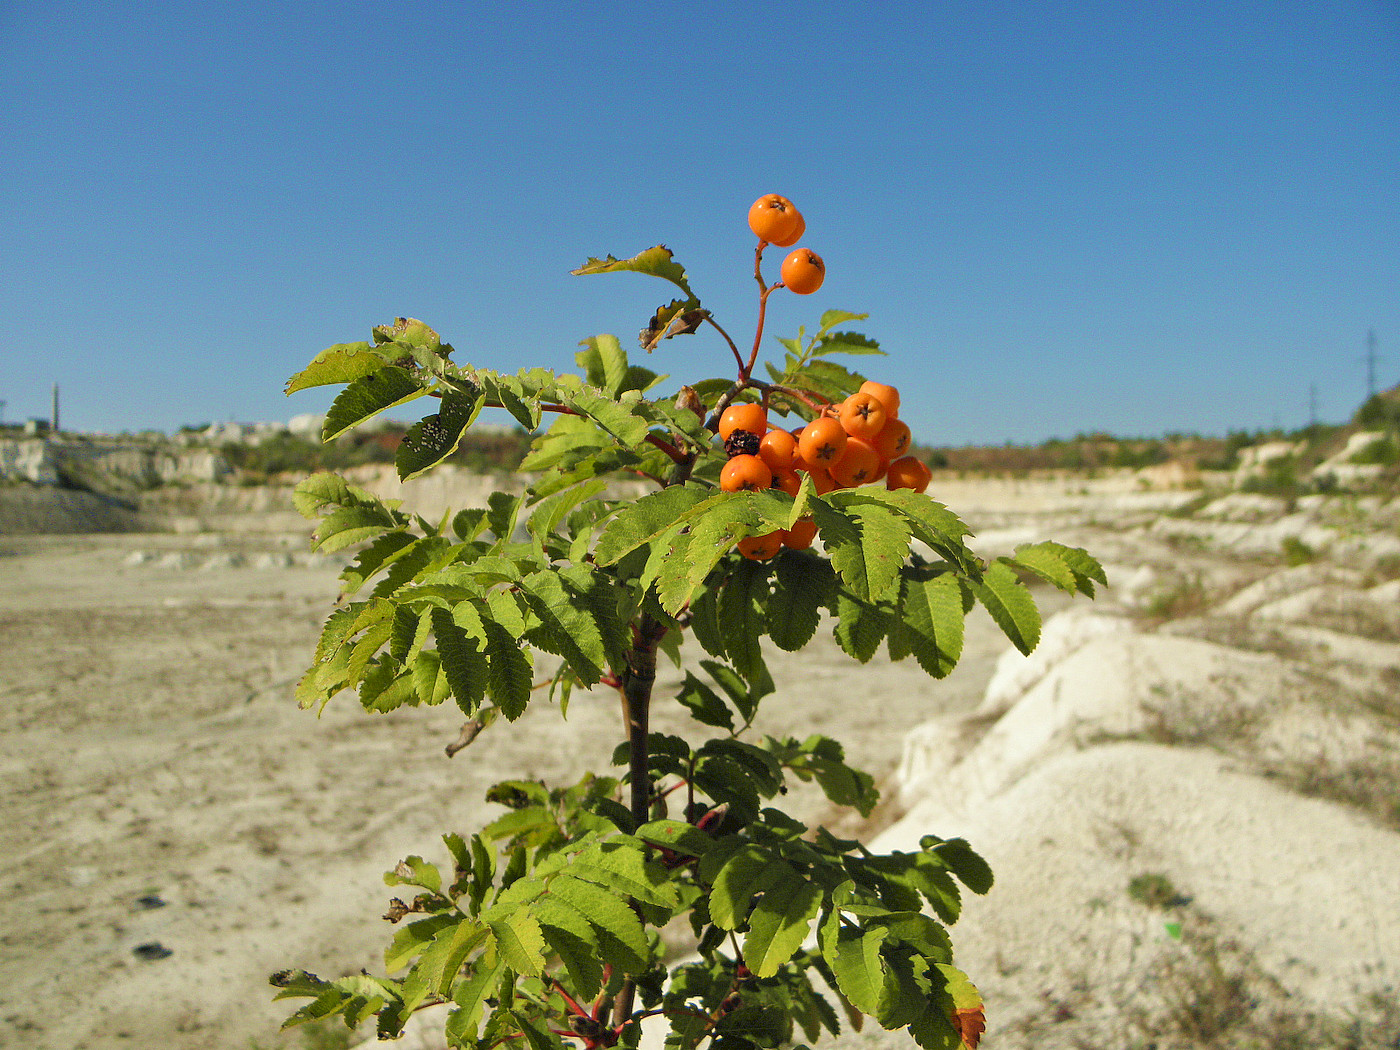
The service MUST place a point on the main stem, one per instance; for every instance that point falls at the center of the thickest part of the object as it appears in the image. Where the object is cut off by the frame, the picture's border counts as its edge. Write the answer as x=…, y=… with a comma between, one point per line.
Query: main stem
x=637, y=682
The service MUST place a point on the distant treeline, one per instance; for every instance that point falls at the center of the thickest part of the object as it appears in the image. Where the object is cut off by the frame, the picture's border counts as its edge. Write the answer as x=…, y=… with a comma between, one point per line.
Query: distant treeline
x=1099, y=451
x=503, y=450
x=287, y=453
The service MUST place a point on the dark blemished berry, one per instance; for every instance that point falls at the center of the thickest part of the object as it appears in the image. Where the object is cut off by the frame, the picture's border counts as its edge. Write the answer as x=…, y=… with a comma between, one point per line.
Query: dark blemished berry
x=741, y=443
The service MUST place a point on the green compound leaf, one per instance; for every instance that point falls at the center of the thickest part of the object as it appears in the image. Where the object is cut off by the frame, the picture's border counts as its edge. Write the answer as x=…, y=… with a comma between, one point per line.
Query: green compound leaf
x=867, y=543
x=825, y=759
x=567, y=627
x=431, y=440
x=960, y=858
x=860, y=627
x=616, y=419
x=386, y=687
x=704, y=704
x=741, y=605
x=408, y=332
x=373, y=558
x=325, y=489
x=437, y=968
x=803, y=585
x=726, y=782
x=1005, y=597
x=779, y=923
x=761, y=766
x=508, y=683
x=520, y=942
x=749, y=870
x=618, y=928
x=571, y=936
x=714, y=527
x=367, y=397
x=628, y=872
x=568, y=441
x=343, y=363
x=463, y=662
x=410, y=940
x=549, y=513
x=356, y=997
x=854, y=957
x=429, y=679
x=677, y=836
x=415, y=871
x=657, y=262
x=604, y=363
x=645, y=520
x=354, y=516
x=470, y=996
x=847, y=342
x=930, y=622
x=927, y=520
x=350, y=525
x=1071, y=569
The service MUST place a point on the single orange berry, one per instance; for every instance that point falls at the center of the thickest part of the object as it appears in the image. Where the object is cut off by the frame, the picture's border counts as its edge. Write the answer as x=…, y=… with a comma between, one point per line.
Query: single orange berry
x=862, y=415
x=795, y=236
x=778, y=449
x=888, y=395
x=908, y=473
x=787, y=481
x=893, y=441
x=822, y=481
x=857, y=465
x=745, y=474
x=744, y=416
x=803, y=271
x=761, y=548
x=773, y=219
x=822, y=442
x=800, y=536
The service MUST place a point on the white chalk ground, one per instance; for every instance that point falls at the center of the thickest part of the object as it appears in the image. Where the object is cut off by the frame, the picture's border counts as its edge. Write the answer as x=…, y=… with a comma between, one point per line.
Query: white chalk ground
x=1218, y=721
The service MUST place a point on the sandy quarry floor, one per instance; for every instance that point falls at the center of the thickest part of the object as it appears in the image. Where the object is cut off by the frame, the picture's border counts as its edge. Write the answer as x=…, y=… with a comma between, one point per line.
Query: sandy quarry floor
x=149, y=748
x=160, y=788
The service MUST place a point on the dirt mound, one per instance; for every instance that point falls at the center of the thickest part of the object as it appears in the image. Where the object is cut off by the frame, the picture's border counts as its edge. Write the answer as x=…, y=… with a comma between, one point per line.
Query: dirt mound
x=37, y=510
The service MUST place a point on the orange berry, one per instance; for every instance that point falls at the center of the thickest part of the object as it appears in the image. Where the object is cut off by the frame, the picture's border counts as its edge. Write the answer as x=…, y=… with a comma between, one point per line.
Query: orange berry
x=744, y=416
x=745, y=473
x=893, y=441
x=857, y=465
x=800, y=536
x=796, y=234
x=822, y=481
x=787, y=481
x=908, y=473
x=888, y=395
x=803, y=271
x=862, y=415
x=778, y=449
x=822, y=442
x=761, y=548
x=774, y=219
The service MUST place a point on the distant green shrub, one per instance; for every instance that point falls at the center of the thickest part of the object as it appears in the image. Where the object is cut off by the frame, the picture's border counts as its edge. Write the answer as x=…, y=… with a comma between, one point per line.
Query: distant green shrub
x=1379, y=412
x=1296, y=552
x=1383, y=452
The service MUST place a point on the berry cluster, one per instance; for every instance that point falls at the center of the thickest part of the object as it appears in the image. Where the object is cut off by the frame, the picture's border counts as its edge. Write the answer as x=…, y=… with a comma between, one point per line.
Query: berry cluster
x=775, y=220
x=858, y=441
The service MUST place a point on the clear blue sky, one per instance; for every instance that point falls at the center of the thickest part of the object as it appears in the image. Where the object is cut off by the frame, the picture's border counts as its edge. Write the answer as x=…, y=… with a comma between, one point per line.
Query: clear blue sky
x=1061, y=217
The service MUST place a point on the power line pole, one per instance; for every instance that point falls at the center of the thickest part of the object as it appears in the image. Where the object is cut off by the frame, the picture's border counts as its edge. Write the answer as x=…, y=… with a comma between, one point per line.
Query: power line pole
x=1312, y=405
